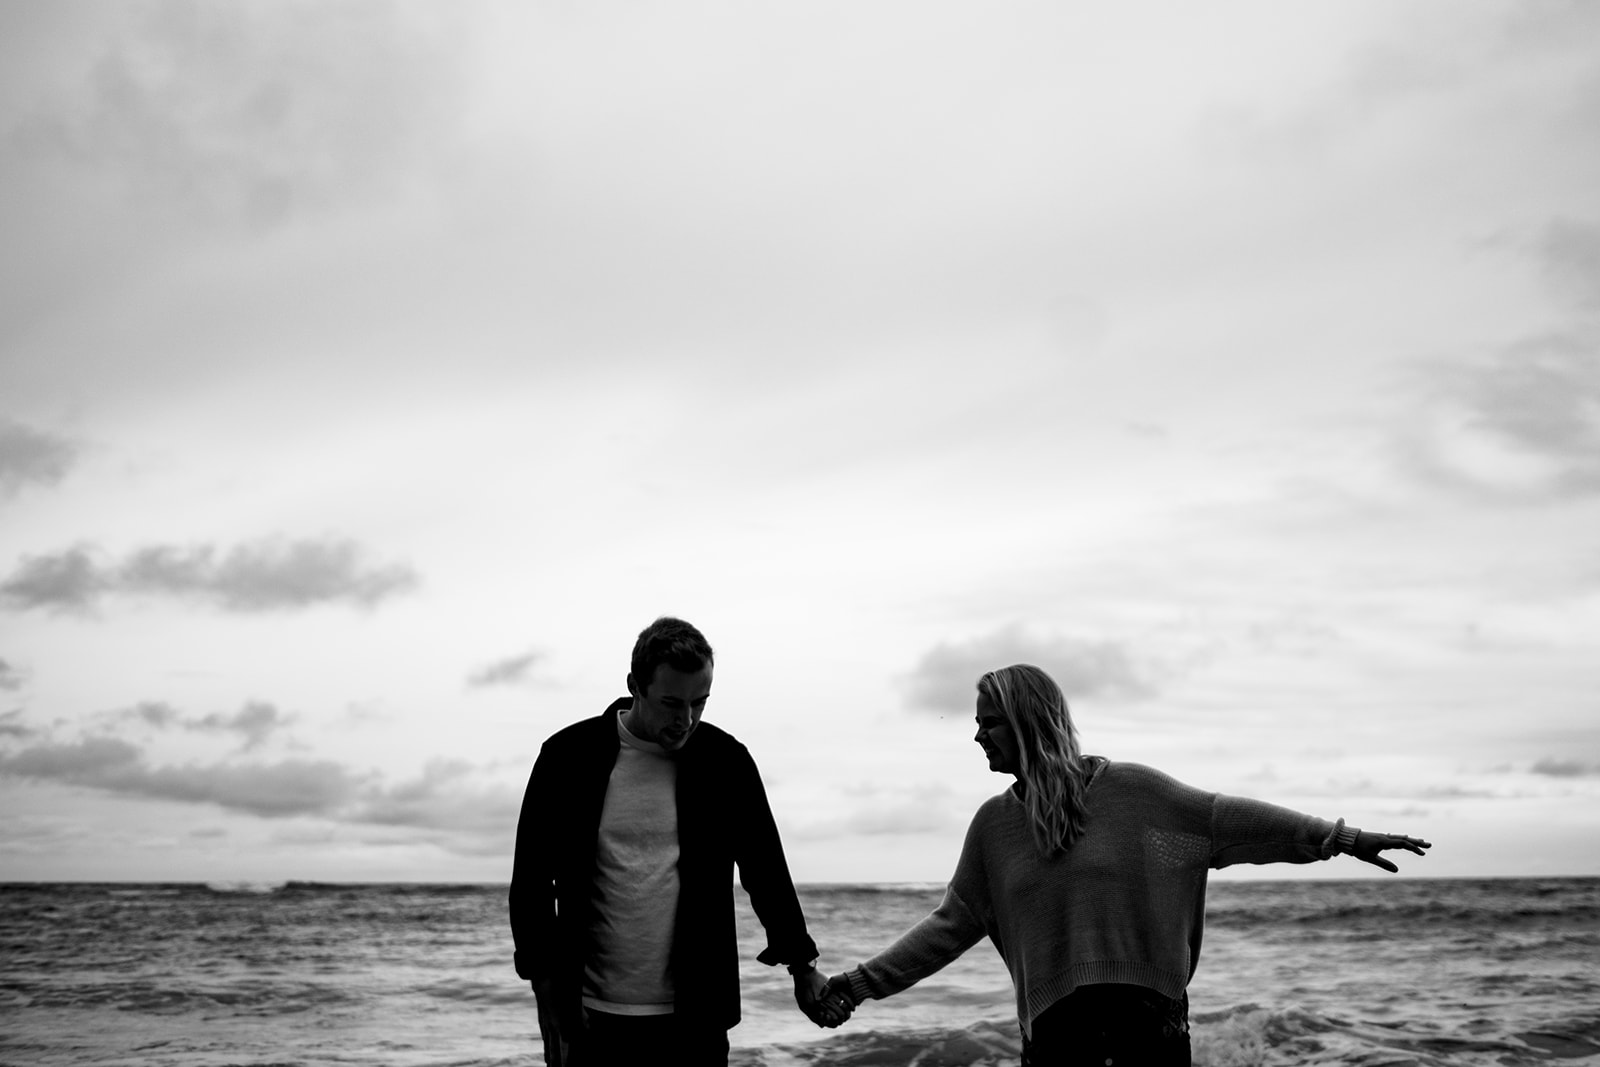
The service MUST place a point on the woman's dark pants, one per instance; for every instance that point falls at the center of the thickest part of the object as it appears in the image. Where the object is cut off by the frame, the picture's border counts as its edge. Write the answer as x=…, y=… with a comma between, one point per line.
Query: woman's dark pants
x=630, y=1040
x=1110, y=1026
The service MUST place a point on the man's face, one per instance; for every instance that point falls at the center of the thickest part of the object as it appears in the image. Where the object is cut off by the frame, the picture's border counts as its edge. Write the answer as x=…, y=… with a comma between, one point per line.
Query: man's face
x=667, y=711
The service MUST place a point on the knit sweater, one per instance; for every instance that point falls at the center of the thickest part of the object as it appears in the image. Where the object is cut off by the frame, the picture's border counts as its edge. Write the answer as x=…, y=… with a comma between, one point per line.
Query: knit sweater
x=1124, y=904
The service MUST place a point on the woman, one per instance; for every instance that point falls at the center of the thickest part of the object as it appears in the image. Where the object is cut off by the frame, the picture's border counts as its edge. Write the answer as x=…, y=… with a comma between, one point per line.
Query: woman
x=1089, y=877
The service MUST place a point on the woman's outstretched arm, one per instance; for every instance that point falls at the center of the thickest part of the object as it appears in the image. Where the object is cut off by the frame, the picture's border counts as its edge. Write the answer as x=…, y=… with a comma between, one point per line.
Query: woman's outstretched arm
x=947, y=932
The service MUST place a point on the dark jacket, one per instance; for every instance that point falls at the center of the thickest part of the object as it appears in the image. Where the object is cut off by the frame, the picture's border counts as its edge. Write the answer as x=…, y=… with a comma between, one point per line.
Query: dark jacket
x=723, y=819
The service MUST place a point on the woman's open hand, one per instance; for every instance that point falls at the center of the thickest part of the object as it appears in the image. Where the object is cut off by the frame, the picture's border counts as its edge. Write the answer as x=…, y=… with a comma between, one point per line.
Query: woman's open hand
x=1370, y=845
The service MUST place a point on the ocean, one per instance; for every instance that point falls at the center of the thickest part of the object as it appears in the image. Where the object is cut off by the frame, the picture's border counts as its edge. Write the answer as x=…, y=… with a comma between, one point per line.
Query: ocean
x=1369, y=973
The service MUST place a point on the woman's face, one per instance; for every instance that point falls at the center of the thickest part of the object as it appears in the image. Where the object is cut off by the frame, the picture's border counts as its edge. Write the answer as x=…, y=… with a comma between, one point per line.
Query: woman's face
x=999, y=741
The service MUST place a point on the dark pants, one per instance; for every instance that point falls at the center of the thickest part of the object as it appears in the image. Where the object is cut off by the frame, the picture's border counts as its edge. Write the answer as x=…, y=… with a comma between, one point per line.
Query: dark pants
x=631, y=1040
x=1117, y=1025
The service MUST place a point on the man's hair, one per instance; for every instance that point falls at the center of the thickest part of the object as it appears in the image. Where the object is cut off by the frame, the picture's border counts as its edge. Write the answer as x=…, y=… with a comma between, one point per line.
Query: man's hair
x=1054, y=774
x=668, y=641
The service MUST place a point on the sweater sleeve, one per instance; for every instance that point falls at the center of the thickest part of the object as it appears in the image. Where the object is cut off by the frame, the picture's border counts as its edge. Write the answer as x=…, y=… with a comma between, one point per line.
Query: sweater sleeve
x=1253, y=831
x=947, y=932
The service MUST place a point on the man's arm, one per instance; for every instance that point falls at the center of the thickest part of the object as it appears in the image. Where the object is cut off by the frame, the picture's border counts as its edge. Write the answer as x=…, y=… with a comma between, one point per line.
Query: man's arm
x=764, y=871
x=535, y=927
x=532, y=899
x=535, y=931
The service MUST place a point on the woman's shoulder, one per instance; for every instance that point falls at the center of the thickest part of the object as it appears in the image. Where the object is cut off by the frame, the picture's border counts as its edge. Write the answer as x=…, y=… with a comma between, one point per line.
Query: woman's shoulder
x=1129, y=774
x=1134, y=782
x=1120, y=768
x=998, y=822
x=1003, y=805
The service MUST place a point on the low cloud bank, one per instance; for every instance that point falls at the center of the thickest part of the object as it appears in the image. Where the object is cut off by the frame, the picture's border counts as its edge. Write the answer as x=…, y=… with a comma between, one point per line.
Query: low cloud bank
x=444, y=800
x=945, y=677
x=261, y=576
x=255, y=722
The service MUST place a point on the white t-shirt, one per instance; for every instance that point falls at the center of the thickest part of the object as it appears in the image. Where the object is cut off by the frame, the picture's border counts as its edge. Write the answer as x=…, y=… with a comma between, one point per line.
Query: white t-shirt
x=636, y=885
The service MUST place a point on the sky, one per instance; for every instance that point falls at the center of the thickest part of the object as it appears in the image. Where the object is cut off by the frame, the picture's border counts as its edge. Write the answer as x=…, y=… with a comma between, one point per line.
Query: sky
x=372, y=373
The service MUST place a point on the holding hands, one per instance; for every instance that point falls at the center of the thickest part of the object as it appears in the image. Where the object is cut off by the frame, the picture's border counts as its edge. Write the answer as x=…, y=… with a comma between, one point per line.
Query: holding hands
x=821, y=1000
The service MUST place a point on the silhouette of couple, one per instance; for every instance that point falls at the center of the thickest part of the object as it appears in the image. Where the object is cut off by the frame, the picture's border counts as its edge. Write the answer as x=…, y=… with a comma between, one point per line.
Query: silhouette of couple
x=1087, y=874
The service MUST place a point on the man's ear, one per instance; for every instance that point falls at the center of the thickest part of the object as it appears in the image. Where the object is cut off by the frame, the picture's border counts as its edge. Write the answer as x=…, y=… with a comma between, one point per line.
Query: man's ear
x=633, y=690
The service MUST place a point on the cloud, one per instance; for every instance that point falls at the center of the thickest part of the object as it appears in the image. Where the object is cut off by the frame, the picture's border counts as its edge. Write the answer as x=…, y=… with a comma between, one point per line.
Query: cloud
x=877, y=810
x=11, y=678
x=1543, y=396
x=11, y=725
x=29, y=456
x=1522, y=423
x=255, y=721
x=945, y=678
x=1408, y=811
x=1568, y=252
x=906, y=818
x=82, y=762
x=256, y=113
x=154, y=713
x=447, y=798
x=289, y=787
x=67, y=581
x=1448, y=792
x=266, y=575
x=509, y=671
x=919, y=810
x=1565, y=768
x=444, y=797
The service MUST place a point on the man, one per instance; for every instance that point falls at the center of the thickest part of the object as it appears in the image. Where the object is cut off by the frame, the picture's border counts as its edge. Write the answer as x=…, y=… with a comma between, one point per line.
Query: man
x=622, y=889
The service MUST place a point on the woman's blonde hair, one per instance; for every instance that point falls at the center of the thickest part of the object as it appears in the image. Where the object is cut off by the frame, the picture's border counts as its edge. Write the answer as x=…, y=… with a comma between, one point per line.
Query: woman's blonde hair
x=1053, y=772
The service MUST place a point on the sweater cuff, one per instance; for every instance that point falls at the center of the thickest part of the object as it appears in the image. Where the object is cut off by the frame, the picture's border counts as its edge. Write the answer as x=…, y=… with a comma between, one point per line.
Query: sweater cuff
x=1342, y=841
x=790, y=952
x=859, y=989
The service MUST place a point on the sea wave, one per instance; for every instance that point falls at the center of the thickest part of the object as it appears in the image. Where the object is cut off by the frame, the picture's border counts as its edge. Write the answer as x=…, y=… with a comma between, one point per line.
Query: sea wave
x=837, y=889
x=1246, y=1035
x=243, y=997
x=1249, y=1034
x=1568, y=904
x=1470, y=973
x=246, y=887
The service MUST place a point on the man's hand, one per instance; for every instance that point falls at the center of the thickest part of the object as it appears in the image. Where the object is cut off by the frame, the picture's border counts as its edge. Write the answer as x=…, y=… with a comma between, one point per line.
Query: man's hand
x=811, y=992
x=1370, y=844
x=560, y=1019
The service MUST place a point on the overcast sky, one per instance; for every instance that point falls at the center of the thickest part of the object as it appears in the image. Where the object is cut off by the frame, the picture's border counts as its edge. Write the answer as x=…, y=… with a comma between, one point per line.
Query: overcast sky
x=371, y=374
